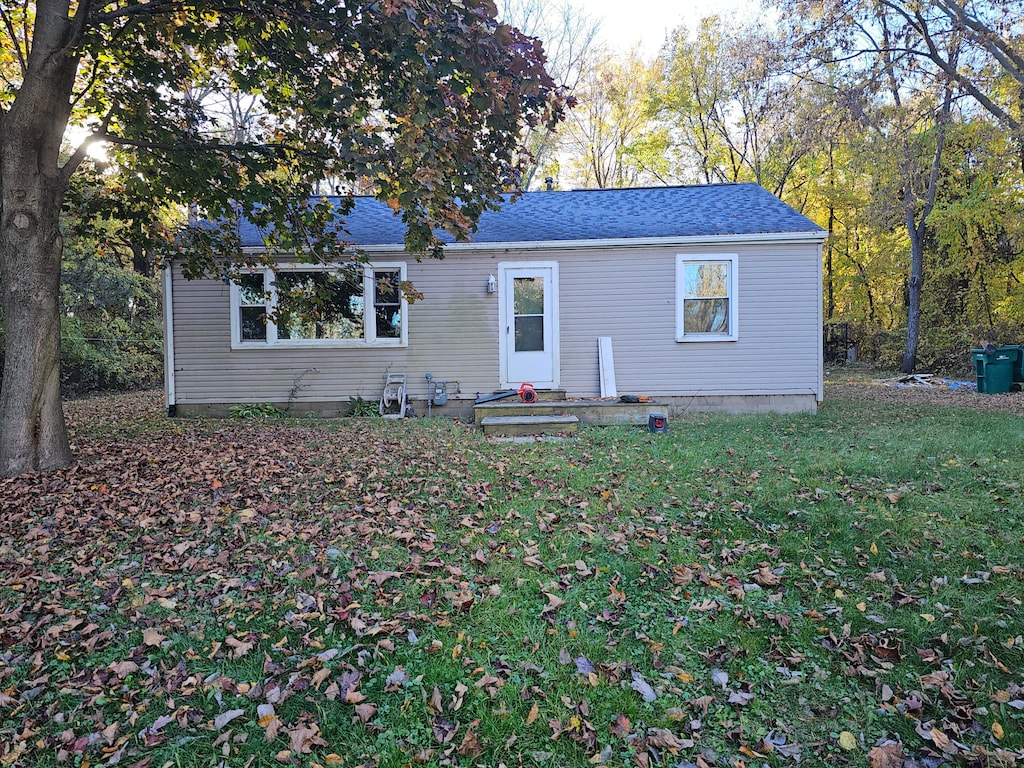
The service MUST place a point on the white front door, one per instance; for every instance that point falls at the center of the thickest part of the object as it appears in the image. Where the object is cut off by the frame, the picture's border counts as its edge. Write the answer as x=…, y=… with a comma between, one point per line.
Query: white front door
x=528, y=307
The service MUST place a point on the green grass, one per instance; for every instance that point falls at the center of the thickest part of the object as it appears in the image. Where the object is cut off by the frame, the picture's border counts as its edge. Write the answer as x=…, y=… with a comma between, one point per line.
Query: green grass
x=781, y=583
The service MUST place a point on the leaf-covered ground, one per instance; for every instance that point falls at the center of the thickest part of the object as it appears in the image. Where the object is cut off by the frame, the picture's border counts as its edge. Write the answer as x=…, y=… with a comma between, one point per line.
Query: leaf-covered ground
x=838, y=589
x=858, y=383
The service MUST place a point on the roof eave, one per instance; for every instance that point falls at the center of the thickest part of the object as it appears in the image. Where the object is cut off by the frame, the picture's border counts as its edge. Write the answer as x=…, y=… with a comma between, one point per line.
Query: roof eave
x=808, y=236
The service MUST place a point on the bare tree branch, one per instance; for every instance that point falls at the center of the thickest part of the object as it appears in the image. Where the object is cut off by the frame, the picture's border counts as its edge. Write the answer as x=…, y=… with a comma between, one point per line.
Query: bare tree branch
x=1000, y=48
x=952, y=71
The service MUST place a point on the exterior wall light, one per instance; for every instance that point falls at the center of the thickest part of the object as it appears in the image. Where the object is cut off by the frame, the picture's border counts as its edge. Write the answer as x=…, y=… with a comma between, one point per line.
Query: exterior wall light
x=492, y=284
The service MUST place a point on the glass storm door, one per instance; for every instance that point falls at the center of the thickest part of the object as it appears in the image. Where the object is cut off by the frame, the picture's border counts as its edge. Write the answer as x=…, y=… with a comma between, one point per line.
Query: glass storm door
x=529, y=327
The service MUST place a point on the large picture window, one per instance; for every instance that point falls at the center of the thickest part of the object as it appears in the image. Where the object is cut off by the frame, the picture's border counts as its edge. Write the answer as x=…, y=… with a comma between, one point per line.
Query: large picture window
x=323, y=306
x=706, y=298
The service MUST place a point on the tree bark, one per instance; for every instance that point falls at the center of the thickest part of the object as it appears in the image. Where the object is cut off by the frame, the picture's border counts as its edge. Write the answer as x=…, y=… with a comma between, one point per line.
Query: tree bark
x=916, y=230
x=33, y=435
x=32, y=430
x=830, y=301
x=913, y=295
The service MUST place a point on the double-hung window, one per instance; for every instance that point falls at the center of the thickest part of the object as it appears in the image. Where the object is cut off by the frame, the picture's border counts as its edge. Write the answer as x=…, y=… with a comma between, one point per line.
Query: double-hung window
x=706, y=298
x=302, y=305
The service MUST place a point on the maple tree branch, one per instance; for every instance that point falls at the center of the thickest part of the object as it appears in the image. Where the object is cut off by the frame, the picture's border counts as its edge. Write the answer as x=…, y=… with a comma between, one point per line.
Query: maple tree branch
x=89, y=83
x=218, y=148
x=79, y=155
x=159, y=7
x=153, y=8
x=15, y=43
x=80, y=23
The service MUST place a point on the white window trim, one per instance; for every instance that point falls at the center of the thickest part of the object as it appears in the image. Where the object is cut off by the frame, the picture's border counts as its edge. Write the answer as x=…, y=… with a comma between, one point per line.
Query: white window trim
x=682, y=260
x=369, y=339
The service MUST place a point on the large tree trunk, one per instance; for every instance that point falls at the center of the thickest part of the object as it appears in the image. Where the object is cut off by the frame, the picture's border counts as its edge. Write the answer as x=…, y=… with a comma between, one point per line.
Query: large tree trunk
x=32, y=431
x=913, y=295
x=916, y=223
x=32, y=185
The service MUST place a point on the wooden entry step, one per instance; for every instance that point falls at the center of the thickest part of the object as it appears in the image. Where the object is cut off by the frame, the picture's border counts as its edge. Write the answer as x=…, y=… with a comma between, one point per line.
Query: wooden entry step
x=543, y=395
x=512, y=426
x=547, y=395
x=600, y=412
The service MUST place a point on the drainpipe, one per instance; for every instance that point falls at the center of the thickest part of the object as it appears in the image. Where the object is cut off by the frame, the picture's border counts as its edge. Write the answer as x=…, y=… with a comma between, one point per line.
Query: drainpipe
x=169, y=341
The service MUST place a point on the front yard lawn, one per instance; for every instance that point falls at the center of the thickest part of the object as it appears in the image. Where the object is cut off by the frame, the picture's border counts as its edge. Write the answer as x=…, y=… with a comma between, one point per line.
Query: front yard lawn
x=837, y=589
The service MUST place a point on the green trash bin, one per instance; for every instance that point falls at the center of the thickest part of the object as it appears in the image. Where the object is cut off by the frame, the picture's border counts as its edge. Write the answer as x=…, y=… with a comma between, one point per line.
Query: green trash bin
x=1017, y=352
x=994, y=368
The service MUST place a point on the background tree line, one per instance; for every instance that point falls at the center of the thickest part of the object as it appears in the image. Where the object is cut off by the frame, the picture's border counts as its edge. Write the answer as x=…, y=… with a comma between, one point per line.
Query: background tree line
x=896, y=126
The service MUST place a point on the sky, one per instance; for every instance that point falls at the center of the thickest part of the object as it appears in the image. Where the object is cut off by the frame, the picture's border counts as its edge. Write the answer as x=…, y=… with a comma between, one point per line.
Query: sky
x=625, y=22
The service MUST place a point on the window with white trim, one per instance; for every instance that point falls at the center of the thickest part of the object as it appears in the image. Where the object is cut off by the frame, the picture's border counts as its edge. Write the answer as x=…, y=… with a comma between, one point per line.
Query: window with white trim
x=706, y=297
x=302, y=305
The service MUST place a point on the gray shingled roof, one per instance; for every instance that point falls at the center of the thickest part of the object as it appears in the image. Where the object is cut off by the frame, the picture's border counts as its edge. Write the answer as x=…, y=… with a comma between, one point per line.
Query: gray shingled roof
x=600, y=214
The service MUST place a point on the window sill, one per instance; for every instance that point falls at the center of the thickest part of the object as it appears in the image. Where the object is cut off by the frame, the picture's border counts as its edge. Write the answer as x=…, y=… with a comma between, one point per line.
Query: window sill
x=702, y=338
x=262, y=346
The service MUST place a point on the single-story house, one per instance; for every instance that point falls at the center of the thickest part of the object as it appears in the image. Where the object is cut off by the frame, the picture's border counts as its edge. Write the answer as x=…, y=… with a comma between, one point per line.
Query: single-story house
x=704, y=298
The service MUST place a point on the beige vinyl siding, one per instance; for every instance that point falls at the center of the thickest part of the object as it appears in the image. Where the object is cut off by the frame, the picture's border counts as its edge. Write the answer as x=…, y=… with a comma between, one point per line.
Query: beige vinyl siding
x=627, y=294
x=631, y=298
x=452, y=334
